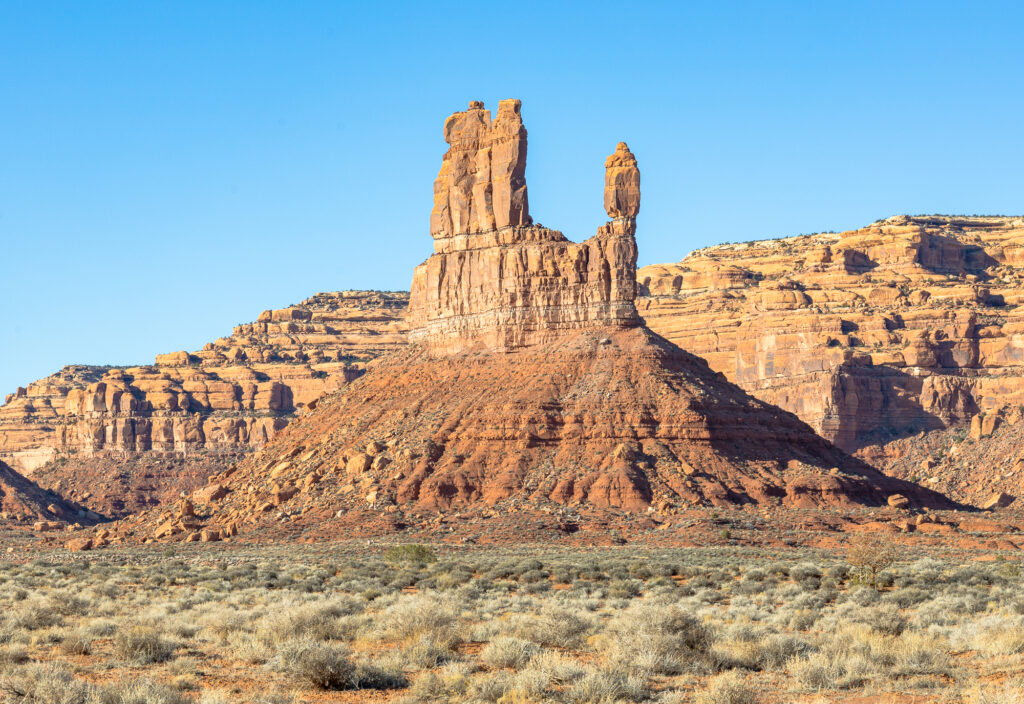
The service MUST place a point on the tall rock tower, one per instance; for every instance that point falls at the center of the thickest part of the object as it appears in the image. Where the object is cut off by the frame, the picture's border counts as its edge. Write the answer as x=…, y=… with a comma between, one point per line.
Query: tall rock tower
x=496, y=280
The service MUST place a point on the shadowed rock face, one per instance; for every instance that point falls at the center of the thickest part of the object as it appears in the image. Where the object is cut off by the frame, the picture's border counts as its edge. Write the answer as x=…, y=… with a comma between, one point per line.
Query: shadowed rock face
x=22, y=501
x=530, y=383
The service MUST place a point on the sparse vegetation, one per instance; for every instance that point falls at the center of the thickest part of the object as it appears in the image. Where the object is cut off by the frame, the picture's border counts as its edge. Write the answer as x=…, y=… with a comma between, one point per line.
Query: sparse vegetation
x=700, y=625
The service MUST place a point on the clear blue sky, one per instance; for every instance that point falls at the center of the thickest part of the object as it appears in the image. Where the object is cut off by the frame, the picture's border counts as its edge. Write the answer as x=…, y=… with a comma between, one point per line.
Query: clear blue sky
x=170, y=169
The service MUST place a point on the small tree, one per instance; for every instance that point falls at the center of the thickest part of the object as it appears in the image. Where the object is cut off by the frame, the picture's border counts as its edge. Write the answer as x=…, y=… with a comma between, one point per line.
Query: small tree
x=869, y=554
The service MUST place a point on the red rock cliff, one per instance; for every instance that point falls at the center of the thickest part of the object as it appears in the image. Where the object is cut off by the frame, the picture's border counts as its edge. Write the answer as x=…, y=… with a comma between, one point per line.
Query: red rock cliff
x=496, y=281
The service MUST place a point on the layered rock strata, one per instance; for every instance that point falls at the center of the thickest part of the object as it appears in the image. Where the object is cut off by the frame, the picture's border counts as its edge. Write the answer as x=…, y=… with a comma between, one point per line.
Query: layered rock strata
x=212, y=404
x=531, y=386
x=909, y=324
x=498, y=282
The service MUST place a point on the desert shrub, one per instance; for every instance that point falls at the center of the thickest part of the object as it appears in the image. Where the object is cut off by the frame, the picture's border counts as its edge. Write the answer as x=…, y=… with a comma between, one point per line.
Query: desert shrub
x=919, y=654
x=654, y=638
x=430, y=650
x=319, y=665
x=410, y=553
x=884, y=618
x=602, y=686
x=869, y=554
x=728, y=688
x=33, y=614
x=824, y=671
x=13, y=654
x=778, y=648
x=101, y=628
x=803, y=571
x=76, y=643
x=509, y=652
x=492, y=687
x=317, y=619
x=994, y=635
x=43, y=684
x=557, y=669
x=760, y=651
x=140, y=692
x=555, y=626
x=624, y=588
x=142, y=645
x=755, y=574
x=411, y=616
x=378, y=676
x=440, y=685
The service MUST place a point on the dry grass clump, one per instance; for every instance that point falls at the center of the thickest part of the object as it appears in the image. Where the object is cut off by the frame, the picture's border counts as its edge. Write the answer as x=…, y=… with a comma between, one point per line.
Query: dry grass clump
x=317, y=664
x=510, y=652
x=143, y=645
x=658, y=639
x=729, y=688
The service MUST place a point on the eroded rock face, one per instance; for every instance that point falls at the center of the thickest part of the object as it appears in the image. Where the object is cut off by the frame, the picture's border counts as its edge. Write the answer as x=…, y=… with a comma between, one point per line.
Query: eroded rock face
x=906, y=325
x=482, y=183
x=508, y=286
x=621, y=184
x=232, y=396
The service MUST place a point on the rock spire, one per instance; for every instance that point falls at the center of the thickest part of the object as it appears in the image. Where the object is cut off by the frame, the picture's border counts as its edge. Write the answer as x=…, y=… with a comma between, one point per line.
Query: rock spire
x=621, y=184
x=482, y=183
x=496, y=280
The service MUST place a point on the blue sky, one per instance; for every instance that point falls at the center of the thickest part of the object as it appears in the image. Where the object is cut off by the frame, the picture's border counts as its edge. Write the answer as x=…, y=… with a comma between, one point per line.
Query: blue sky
x=170, y=169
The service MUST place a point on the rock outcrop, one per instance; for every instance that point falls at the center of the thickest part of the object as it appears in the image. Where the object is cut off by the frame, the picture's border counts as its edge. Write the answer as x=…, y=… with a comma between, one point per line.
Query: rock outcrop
x=482, y=183
x=530, y=381
x=621, y=184
x=907, y=325
x=209, y=405
x=498, y=282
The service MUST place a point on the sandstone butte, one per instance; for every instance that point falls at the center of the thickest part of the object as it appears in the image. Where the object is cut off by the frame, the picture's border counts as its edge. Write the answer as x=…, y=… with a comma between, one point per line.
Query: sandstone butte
x=887, y=340
x=530, y=382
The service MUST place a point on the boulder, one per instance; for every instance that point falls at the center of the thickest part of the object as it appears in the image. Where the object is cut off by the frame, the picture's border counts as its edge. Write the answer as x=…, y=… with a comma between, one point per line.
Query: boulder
x=898, y=501
x=998, y=500
x=79, y=544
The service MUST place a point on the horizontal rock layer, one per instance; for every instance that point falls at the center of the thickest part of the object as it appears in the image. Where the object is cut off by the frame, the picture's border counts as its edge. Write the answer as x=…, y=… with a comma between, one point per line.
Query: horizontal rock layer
x=232, y=395
x=906, y=325
x=532, y=287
